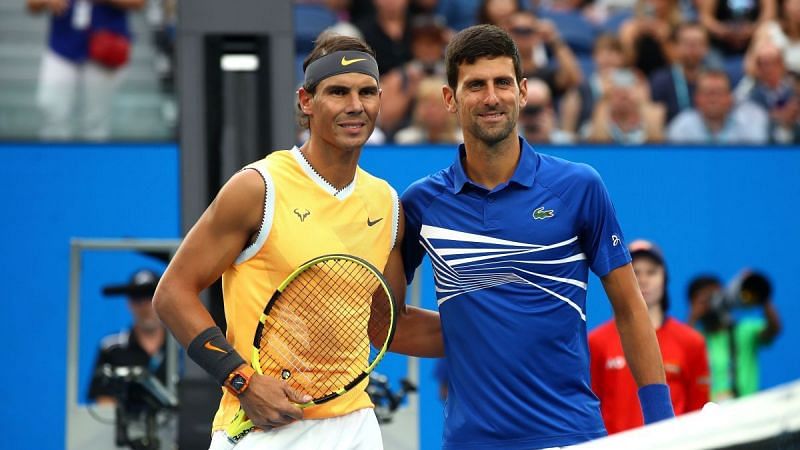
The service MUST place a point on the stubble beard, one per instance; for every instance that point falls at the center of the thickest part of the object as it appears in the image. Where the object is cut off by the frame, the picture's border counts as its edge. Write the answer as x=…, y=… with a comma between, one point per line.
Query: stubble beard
x=351, y=143
x=341, y=140
x=494, y=135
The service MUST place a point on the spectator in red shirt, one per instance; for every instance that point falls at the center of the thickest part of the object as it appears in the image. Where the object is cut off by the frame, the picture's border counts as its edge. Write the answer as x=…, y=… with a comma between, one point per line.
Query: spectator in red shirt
x=683, y=351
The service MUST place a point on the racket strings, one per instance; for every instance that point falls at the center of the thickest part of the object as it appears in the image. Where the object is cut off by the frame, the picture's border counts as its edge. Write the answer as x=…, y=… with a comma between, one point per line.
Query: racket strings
x=318, y=336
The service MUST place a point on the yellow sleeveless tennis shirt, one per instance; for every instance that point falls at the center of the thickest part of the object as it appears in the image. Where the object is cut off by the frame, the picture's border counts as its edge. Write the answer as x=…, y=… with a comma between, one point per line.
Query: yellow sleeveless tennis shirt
x=304, y=217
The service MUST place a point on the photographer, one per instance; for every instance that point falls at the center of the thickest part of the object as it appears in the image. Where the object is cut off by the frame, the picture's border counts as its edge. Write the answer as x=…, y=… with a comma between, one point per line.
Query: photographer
x=734, y=362
x=143, y=345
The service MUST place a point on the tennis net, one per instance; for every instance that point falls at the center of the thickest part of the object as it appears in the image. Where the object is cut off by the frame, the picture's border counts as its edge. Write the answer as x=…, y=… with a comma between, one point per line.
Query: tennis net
x=766, y=421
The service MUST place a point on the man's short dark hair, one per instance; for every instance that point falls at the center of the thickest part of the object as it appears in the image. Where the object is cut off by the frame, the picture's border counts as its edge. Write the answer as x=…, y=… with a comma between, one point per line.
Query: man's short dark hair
x=692, y=24
x=608, y=41
x=701, y=282
x=325, y=44
x=479, y=41
x=714, y=72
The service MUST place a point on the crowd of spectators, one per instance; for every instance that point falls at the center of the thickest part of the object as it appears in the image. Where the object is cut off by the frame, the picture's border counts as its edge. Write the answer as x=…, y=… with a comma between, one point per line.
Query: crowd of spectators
x=609, y=71
x=602, y=71
x=87, y=56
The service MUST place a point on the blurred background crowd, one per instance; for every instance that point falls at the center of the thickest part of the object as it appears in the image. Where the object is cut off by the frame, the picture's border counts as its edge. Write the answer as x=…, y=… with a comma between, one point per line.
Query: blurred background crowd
x=620, y=72
x=603, y=71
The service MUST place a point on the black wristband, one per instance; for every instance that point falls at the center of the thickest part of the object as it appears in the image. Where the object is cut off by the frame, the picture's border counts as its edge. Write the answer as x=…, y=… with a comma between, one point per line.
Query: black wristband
x=211, y=351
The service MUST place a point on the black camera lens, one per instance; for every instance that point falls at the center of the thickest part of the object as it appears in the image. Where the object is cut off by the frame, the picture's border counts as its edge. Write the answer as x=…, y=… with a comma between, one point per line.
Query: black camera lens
x=756, y=289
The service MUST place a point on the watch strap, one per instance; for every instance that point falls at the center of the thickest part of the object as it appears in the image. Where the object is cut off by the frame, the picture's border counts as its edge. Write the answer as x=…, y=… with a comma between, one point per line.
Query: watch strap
x=245, y=372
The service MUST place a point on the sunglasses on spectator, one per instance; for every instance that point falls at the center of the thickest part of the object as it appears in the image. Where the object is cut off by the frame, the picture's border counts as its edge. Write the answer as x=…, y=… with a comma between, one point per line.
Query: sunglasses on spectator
x=523, y=31
x=532, y=110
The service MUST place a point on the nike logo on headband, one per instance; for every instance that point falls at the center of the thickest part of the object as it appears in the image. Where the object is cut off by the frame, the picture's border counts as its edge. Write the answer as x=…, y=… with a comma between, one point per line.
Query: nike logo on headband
x=346, y=62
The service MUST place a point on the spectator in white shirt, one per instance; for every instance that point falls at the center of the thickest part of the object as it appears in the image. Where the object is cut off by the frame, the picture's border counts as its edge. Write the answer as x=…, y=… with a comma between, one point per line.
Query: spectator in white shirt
x=716, y=119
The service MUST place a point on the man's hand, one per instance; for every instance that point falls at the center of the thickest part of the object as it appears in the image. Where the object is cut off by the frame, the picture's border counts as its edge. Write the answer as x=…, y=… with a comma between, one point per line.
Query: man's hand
x=786, y=114
x=548, y=32
x=270, y=403
x=57, y=7
x=656, y=28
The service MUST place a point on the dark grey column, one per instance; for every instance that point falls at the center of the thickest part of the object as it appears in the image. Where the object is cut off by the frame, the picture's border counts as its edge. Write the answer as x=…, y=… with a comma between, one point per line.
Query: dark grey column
x=218, y=131
x=229, y=117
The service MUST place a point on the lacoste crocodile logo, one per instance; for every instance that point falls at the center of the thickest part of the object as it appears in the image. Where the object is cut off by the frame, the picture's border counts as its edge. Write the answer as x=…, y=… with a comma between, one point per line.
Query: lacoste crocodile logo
x=540, y=213
x=302, y=215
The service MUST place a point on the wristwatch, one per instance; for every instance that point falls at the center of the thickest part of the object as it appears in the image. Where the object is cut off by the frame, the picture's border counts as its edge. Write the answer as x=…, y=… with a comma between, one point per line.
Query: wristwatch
x=239, y=380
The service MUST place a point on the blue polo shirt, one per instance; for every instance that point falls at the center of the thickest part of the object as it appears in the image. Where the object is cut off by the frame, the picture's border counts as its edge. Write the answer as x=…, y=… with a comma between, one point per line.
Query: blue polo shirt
x=73, y=44
x=511, y=267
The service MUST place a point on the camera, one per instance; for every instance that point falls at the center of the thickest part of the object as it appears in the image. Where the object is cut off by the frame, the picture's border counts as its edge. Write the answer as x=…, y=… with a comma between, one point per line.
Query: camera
x=136, y=389
x=748, y=289
x=140, y=397
x=426, y=69
x=387, y=401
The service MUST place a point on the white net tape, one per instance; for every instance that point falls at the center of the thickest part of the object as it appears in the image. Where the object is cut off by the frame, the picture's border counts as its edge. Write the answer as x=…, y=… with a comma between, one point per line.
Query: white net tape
x=767, y=421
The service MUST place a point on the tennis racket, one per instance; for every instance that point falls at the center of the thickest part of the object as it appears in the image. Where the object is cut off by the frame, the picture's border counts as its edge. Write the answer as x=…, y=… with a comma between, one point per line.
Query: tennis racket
x=323, y=331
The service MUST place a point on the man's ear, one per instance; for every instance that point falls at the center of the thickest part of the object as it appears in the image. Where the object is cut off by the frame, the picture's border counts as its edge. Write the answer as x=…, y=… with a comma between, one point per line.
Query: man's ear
x=523, y=92
x=449, y=97
x=305, y=100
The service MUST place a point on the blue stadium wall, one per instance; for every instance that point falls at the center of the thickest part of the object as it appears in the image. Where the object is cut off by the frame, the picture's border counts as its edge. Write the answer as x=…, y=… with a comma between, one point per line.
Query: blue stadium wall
x=712, y=210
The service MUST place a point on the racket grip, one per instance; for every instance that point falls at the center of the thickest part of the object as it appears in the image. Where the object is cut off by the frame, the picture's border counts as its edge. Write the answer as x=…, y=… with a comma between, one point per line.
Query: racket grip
x=239, y=427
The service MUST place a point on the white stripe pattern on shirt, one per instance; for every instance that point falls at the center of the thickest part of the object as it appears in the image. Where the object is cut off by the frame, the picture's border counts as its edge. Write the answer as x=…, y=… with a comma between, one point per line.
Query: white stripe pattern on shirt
x=466, y=262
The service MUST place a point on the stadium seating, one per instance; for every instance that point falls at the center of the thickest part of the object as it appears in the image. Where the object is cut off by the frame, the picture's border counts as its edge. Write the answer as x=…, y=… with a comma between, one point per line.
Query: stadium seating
x=309, y=21
x=576, y=31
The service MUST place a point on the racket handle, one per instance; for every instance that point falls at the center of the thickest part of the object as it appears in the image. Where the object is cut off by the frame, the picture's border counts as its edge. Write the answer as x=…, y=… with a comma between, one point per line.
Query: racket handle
x=304, y=405
x=239, y=427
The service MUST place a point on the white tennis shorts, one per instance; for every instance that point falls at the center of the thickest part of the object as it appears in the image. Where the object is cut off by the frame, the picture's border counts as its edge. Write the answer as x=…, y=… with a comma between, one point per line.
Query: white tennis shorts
x=358, y=430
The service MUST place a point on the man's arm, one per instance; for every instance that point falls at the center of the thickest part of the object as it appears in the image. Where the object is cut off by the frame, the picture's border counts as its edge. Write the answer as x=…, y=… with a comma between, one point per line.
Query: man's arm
x=569, y=74
x=418, y=332
x=212, y=246
x=98, y=391
x=57, y=7
x=773, y=328
x=708, y=19
x=125, y=4
x=635, y=330
x=639, y=342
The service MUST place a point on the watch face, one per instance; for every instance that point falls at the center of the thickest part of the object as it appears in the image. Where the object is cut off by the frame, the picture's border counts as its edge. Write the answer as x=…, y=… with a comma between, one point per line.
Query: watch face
x=238, y=382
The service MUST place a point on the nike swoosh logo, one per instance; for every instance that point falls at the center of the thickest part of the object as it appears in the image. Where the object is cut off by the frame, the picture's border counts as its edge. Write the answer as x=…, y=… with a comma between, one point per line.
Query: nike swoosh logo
x=211, y=346
x=373, y=222
x=346, y=62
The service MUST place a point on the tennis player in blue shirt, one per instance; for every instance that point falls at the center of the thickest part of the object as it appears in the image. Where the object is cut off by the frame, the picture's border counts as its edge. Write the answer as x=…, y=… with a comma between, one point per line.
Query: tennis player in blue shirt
x=511, y=235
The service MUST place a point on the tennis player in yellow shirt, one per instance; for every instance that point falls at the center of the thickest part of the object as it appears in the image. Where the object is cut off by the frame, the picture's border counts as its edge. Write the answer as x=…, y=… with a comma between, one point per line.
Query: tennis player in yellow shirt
x=268, y=219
